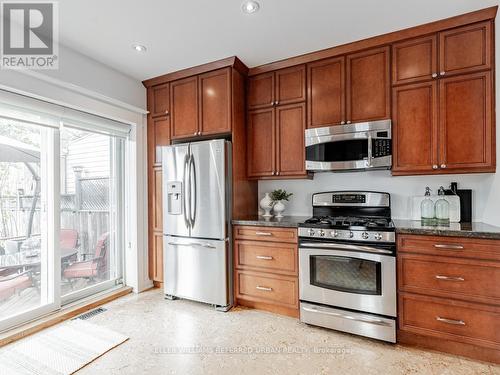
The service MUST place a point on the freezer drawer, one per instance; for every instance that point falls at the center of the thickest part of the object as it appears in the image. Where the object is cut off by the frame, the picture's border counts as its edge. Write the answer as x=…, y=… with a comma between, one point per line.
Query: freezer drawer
x=197, y=269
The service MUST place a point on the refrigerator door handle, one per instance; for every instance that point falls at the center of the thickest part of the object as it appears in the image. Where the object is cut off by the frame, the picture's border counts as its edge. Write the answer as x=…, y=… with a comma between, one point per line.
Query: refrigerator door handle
x=207, y=245
x=194, y=192
x=186, y=196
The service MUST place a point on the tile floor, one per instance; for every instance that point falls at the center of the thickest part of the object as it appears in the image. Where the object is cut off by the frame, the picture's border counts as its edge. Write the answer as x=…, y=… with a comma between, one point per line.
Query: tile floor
x=159, y=330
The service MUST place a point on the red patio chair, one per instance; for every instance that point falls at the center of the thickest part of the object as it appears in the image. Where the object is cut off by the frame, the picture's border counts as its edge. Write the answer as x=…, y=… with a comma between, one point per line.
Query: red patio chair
x=95, y=267
x=10, y=285
x=68, y=239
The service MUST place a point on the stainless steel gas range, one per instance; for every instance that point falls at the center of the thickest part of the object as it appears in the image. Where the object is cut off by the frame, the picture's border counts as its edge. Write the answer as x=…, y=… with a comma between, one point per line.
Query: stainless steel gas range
x=347, y=263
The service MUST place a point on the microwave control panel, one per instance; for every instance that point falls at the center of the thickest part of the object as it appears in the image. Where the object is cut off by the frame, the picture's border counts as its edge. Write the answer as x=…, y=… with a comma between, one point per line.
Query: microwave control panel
x=381, y=147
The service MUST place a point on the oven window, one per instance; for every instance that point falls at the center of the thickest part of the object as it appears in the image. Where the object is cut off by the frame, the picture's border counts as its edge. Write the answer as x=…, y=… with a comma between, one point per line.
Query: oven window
x=354, y=149
x=352, y=275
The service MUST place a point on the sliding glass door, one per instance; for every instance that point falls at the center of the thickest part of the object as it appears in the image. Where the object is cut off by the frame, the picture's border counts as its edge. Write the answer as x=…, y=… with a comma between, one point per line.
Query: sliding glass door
x=61, y=206
x=91, y=203
x=27, y=219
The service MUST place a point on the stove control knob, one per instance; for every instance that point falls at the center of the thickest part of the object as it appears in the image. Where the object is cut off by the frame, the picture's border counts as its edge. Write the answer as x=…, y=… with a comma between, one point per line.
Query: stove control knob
x=311, y=232
x=335, y=233
x=365, y=235
x=378, y=236
x=351, y=234
x=321, y=233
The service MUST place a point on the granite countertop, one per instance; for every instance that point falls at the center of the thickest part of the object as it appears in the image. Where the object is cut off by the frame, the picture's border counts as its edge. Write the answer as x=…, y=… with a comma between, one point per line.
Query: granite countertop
x=471, y=230
x=284, y=222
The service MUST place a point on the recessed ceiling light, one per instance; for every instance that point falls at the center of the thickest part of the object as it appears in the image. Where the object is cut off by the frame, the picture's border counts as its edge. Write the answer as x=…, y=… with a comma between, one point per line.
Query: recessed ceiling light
x=139, y=47
x=250, y=7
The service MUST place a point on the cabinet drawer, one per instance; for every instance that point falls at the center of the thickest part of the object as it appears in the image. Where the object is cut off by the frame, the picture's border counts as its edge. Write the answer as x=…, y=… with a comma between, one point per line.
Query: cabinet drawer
x=471, y=323
x=450, y=246
x=266, y=256
x=450, y=277
x=265, y=234
x=261, y=287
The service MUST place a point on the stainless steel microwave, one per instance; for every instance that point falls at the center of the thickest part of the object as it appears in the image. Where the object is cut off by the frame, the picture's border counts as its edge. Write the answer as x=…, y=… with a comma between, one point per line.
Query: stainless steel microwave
x=365, y=145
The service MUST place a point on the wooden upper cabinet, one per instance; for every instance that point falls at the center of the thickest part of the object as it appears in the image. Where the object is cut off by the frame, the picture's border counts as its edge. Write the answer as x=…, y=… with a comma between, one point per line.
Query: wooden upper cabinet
x=414, y=60
x=215, y=102
x=184, y=107
x=161, y=134
x=467, y=135
x=290, y=150
x=261, y=142
x=290, y=85
x=415, y=127
x=368, y=85
x=261, y=91
x=159, y=100
x=325, y=92
x=465, y=49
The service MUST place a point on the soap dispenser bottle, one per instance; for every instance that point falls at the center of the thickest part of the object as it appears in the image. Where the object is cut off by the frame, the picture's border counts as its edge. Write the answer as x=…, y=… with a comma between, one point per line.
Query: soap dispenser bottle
x=442, y=208
x=427, y=212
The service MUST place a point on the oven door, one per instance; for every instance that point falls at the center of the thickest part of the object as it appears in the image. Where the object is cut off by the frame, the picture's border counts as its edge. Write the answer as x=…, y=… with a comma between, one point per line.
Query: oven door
x=348, y=279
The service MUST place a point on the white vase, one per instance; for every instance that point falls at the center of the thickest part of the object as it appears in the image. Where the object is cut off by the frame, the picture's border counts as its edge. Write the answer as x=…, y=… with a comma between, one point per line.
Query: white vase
x=266, y=204
x=278, y=208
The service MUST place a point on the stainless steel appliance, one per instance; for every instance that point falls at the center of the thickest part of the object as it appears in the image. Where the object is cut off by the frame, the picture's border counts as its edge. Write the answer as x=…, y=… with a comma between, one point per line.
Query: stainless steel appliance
x=197, y=203
x=366, y=145
x=347, y=264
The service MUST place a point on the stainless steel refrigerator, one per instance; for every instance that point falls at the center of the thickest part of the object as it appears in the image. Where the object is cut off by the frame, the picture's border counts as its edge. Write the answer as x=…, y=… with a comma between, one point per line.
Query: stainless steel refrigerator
x=196, y=228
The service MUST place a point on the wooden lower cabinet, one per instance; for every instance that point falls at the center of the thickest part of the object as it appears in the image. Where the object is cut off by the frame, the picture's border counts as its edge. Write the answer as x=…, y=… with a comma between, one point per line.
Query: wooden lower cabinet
x=266, y=269
x=449, y=295
x=157, y=259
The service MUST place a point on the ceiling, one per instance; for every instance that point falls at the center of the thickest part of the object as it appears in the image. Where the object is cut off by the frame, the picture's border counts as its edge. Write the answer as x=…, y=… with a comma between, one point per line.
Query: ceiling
x=185, y=33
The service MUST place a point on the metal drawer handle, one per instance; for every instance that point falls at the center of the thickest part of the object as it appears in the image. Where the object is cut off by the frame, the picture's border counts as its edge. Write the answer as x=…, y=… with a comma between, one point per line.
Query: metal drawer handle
x=377, y=322
x=448, y=246
x=192, y=244
x=263, y=234
x=450, y=321
x=264, y=288
x=264, y=257
x=450, y=278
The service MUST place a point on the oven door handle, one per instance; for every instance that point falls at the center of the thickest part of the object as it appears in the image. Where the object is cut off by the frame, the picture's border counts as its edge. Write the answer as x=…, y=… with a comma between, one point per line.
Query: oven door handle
x=377, y=322
x=341, y=246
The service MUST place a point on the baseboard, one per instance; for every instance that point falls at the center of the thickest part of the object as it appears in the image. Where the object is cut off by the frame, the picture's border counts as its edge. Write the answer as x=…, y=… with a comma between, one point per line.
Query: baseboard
x=447, y=346
x=65, y=313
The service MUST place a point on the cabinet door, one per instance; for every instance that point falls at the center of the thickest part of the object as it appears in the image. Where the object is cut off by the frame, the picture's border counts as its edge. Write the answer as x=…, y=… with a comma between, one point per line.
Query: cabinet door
x=157, y=261
x=291, y=85
x=215, y=102
x=290, y=150
x=325, y=88
x=159, y=100
x=465, y=49
x=465, y=123
x=161, y=135
x=415, y=128
x=261, y=91
x=184, y=107
x=368, y=85
x=157, y=208
x=261, y=143
x=414, y=60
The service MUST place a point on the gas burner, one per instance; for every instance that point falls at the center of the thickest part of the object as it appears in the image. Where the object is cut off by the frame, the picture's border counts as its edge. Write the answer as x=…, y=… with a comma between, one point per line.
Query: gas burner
x=348, y=222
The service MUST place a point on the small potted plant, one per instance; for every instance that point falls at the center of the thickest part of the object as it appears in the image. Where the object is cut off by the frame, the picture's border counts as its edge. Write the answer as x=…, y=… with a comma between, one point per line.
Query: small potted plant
x=278, y=197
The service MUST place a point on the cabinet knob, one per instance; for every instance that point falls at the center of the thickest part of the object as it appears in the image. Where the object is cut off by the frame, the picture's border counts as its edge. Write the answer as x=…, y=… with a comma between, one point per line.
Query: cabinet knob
x=276, y=102
x=435, y=166
x=277, y=173
x=272, y=103
x=348, y=122
x=434, y=75
x=442, y=73
x=342, y=122
x=166, y=112
x=443, y=166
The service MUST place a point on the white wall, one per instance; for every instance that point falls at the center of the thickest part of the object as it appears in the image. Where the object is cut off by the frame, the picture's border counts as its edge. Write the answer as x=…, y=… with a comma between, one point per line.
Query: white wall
x=486, y=187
